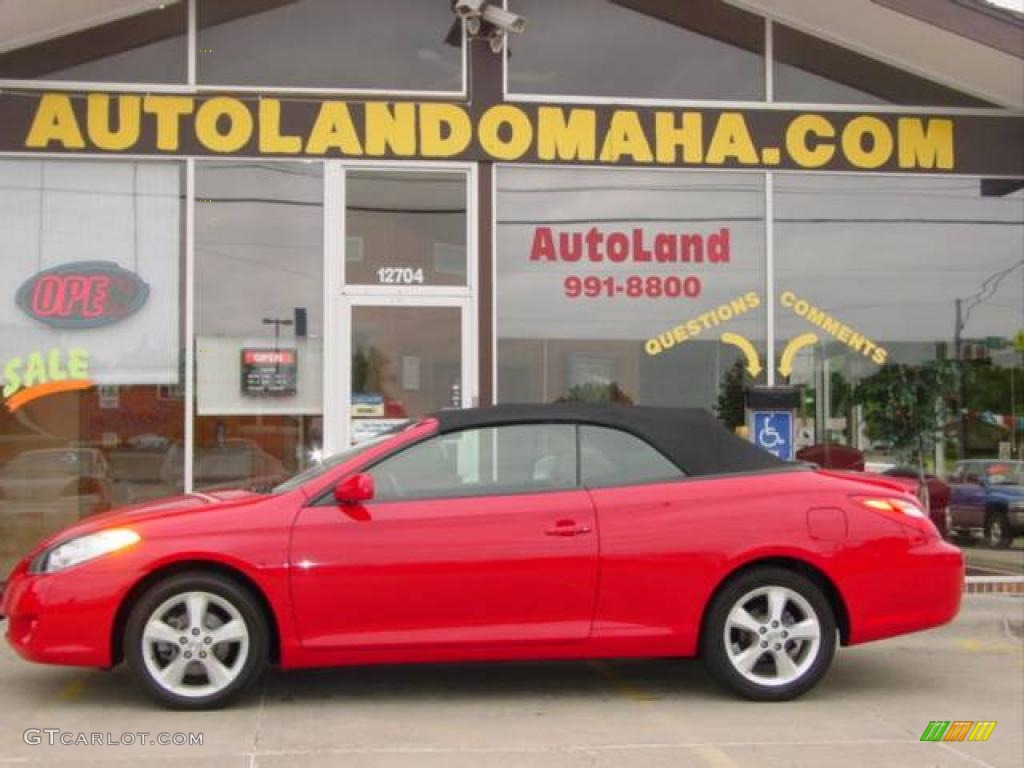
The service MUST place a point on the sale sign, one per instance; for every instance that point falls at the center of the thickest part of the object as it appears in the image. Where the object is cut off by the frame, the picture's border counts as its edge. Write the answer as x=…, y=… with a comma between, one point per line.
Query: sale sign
x=82, y=294
x=37, y=374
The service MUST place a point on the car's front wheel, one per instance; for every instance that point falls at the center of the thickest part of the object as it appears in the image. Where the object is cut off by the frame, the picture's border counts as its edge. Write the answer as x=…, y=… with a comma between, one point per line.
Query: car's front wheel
x=196, y=641
x=770, y=635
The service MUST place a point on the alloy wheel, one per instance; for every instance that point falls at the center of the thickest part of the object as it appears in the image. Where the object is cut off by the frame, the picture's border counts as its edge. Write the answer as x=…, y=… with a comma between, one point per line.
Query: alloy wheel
x=195, y=644
x=772, y=636
x=995, y=533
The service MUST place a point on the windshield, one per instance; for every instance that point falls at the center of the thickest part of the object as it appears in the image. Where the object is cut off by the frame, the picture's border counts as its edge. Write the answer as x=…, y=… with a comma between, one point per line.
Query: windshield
x=314, y=471
x=1006, y=473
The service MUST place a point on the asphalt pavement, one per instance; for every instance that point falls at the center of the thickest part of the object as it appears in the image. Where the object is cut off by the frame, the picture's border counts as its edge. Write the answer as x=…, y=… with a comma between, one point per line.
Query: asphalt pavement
x=983, y=561
x=871, y=710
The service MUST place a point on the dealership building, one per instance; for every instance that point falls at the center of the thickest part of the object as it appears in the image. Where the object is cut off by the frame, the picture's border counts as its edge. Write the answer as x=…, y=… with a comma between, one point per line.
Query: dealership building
x=238, y=234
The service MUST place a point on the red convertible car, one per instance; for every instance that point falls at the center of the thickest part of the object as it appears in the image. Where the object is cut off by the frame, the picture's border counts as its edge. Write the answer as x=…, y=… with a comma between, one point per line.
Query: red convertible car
x=515, y=532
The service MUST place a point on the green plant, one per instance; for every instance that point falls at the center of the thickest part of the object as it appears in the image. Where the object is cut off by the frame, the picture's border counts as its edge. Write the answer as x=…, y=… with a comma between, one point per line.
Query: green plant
x=595, y=392
x=369, y=370
x=731, y=405
x=905, y=406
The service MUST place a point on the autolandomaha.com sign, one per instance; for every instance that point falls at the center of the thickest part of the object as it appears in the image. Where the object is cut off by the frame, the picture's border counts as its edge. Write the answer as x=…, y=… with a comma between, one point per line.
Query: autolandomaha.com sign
x=264, y=125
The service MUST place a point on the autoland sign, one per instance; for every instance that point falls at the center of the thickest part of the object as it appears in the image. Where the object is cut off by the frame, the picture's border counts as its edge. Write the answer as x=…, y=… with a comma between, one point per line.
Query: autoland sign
x=762, y=138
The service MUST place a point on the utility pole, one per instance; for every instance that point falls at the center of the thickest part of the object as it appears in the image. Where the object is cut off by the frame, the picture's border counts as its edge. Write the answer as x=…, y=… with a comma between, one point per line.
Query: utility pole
x=961, y=405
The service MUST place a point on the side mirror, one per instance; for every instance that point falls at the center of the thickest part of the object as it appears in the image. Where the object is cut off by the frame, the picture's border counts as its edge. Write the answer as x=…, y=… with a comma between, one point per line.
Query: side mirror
x=354, y=489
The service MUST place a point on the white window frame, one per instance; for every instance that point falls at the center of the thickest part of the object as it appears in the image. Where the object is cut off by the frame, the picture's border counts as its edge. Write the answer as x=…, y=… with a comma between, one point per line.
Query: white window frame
x=767, y=103
x=192, y=86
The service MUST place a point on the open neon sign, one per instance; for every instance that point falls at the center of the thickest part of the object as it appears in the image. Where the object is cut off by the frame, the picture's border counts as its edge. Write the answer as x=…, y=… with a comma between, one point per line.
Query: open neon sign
x=82, y=294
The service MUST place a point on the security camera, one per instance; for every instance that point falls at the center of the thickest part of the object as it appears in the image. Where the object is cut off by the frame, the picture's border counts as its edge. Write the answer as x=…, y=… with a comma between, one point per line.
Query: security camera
x=496, y=40
x=502, y=19
x=473, y=12
x=486, y=19
x=468, y=9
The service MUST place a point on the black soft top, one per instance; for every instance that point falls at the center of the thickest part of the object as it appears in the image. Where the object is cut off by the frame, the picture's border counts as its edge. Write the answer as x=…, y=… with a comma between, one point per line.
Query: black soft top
x=693, y=439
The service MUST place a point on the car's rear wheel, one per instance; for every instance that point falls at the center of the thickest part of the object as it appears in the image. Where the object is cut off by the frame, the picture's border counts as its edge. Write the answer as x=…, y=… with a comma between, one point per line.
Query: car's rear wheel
x=196, y=641
x=997, y=531
x=770, y=635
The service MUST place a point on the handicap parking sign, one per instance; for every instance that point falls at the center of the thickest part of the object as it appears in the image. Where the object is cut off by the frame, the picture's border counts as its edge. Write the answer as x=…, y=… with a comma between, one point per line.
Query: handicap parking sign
x=773, y=431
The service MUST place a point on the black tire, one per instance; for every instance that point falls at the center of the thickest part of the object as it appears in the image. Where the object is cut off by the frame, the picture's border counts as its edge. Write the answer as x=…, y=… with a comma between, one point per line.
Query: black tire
x=997, y=531
x=226, y=589
x=960, y=538
x=955, y=535
x=716, y=652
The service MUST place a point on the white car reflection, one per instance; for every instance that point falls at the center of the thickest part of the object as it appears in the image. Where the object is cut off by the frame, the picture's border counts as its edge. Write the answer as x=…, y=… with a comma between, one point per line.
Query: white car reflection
x=42, y=491
x=57, y=477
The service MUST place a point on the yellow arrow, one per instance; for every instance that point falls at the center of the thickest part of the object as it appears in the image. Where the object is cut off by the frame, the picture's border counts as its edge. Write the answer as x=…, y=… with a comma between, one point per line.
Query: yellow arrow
x=794, y=346
x=753, y=361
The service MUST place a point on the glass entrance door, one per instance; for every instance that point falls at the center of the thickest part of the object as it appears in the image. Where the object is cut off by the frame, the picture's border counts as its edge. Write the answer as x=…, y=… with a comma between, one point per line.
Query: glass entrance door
x=404, y=308
x=406, y=361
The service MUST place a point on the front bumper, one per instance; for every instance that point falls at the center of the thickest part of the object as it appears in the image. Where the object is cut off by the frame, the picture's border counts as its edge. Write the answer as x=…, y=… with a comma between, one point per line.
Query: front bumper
x=61, y=618
x=1015, y=517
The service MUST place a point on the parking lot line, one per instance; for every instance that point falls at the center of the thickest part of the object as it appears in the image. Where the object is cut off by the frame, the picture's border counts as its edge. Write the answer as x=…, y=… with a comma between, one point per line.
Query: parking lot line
x=619, y=683
x=971, y=758
x=978, y=645
x=715, y=757
x=67, y=693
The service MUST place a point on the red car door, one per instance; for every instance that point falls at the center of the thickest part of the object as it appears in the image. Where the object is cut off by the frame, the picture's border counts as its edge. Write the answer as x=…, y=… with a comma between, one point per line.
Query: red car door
x=650, y=562
x=477, y=537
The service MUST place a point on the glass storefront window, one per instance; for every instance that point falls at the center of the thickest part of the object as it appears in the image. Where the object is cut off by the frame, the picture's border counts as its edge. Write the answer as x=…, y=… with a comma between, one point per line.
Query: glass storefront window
x=384, y=45
x=90, y=341
x=877, y=279
x=405, y=228
x=692, y=50
x=122, y=43
x=259, y=322
x=631, y=286
x=807, y=69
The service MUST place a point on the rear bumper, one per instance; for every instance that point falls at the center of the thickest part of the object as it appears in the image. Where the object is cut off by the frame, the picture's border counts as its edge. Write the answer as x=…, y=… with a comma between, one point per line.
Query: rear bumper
x=51, y=622
x=922, y=590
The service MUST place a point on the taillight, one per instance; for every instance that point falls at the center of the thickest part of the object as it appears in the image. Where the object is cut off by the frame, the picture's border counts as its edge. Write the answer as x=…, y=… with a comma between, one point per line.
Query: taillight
x=893, y=505
x=906, y=511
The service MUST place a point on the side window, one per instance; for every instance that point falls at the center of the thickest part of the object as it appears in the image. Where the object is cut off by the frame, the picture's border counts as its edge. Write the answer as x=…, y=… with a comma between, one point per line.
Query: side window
x=957, y=475
x=496, y=460
x=613, y=457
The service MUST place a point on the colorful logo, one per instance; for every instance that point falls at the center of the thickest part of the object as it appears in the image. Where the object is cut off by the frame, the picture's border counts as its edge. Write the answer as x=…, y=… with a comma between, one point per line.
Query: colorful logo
x=958, y=730
x=82, y=294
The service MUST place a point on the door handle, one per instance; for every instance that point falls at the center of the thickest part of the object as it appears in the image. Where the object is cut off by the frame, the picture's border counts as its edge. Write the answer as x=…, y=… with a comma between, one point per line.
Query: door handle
x=567, y=528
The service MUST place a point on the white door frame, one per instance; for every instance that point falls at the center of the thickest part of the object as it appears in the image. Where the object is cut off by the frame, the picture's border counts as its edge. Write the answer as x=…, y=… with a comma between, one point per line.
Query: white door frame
x=339, y=298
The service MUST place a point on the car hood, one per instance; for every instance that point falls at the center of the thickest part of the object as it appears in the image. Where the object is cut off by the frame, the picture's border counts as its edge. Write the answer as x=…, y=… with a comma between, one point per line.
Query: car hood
x=192, y=503
x=1008, y=491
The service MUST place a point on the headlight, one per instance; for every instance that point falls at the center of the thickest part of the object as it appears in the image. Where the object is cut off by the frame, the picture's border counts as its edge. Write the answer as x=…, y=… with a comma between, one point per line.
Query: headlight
x=82, y=549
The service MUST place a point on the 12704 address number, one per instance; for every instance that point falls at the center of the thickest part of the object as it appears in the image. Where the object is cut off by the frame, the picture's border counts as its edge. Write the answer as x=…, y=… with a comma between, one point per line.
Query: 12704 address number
x=400, y=275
